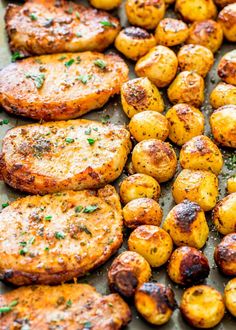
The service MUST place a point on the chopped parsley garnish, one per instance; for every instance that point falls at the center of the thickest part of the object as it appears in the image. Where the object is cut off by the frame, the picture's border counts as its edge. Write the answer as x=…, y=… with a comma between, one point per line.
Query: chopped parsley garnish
x=111, y=240
x=77, y=15
x=25, y=246
x=70, y=140
x=88, y=131
x=6, y=309
x=87, y=325
x=105, y=119
x=107, y=24
x=90, y=209
x=84, y=78
x=60, y=235
x=100, y=63
x=32, y=240
x=231, y=162
x=85, y=229
x=46, y=248
x=38, y=79
x=48, y=217
x=48, y=22
x=78, y=59
x=69, y=63
x=15, y=56
x=78, y=208
x=95, y=129
x=33, y=17
x=23, y=251
x=5, y=205
x=69, y=303
x=78, y=35
x=4, y=122
x=70, y=10
x=61, y=58
x=91, y=141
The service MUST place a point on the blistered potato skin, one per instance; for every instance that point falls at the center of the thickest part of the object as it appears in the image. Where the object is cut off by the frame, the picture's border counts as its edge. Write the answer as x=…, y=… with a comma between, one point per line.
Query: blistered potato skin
x=137, y=186
x=230, y=296
x=202, y=306
x=227, y=66
x=155, y=158
x=127, y=272
x=153, y=243
x=227, y=19
x=224, y=215
x=159, y=65
x=188, y=87
x=186, y=224
x=140, y=94
x=134, y=42
x=142, y=211
x=192, y=10
x=155, y=302
x=185, y=122
x=225, y=255
x=231, y=185
x=223, y=94
x=171, y=32
x=201, y=153
x=105, y=4
x=188, y=266
x=198, y=186
x=223, y=125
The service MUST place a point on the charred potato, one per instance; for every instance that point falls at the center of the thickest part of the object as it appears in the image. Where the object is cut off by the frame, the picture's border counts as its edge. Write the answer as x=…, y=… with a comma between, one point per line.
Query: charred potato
x=137, y=186
x=200, y=153
x=207, y=33
x=155, y=302
x=105, y=4
x=223, y=94
x=202, y=306
x=153, y=243
x=230, y=296
x=223, y=125
x=192, y=10
x=149, y=125
x=127, y=272
x=185, y=122
x=225, y=255
x=227, y=20
x=227, y=66
x=186, y=224
x=231, y=185
x=224, y=215
x=159, y=65
x=139, y=95
x=155, y=158
x=195, y=58
x=198, y=186
x=145, y=13
x=171, y=32
x=188, y=266
x=134, y=42
x=188, y=87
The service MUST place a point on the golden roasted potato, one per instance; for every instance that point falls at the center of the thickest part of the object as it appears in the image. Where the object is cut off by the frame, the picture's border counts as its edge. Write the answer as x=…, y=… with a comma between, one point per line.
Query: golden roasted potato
x=153, y=243
x=188, y=266
x=159, y=65
x=142, y=211
x=139, y=95
x=195, y=58
x=127, y=272
x=156, y=158
x=149, y=125
x=223, y=125
x=197, y=186
x=207, y=33
x=155, y=302
x=230, y=296
x=202, y=306
x=192, y=10
x=134, y=42
x=171, y=32
x=105, y=4
x=224, y=215
x=188, y=87
x=227, y=66
x=225, y=255
x=201, y=153
x=231, y=185
x=137, y=186
x=223, y=94
x=187, y=225
x=185, y=122
x=223, y=3
x=227, y=20
x=145, y=13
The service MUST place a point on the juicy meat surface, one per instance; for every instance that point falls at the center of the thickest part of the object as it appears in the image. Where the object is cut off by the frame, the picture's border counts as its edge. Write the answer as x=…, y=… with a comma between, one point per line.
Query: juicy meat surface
x=69, y=306
x=61, y=86
x=65, y=155
x=54, y=26
x=55, y=238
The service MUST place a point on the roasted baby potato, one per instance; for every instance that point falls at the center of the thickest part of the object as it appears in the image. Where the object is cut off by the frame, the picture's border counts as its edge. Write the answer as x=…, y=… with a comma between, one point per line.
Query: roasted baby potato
x=139, y=95
x=225, y=255
x=223, y=3
x=192, y=10
x=145, y=13
x=134, y=42
x=185, y=122
x=224, y=215
x=105, y=4
x=207, y=33
x=155, y=302
x=142, y=211
x=153, y=243
x=230, y=296
x=188, y=266
x=159, y=65
x=195, y=58
x=223, y=125
x=127, y=272
x=137, y=186
x=156, y=158
x=171, y=32
x=223, y=94
x=202, y=306
x=197, y=186
x=186, y=224
x=188, y=87
x=227, y=66
x=231, y=185
x=227, y=20
x=149, y=125
x=201, y=153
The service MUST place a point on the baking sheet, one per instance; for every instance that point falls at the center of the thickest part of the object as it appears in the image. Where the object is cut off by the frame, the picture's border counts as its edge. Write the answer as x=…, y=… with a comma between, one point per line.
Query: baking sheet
x=98, y=278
